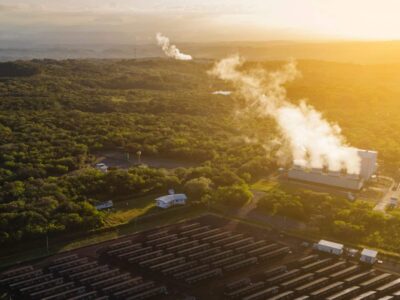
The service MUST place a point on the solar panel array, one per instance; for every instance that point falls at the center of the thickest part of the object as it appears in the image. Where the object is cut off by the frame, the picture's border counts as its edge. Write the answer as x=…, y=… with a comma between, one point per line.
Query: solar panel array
x=195, y=256
x=74, y=277
x=314, y=277
x=194, y=252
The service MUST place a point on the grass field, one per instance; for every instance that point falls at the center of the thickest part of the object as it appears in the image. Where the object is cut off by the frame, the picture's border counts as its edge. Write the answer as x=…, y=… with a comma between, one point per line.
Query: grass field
x=265, y=185
x=127, y=209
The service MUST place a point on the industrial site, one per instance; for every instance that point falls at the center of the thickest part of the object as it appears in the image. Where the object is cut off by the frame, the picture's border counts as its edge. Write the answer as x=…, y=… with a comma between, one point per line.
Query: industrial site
x=199, y=150
x=205, y=258
x=339, y=179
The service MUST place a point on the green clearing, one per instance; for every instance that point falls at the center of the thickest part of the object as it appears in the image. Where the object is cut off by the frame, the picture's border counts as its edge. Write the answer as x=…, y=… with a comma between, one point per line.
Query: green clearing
x=129, y=208
x=266, y=185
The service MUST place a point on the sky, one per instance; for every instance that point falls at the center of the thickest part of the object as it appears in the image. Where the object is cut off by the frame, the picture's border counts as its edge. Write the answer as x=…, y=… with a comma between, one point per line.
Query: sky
x=137, y=21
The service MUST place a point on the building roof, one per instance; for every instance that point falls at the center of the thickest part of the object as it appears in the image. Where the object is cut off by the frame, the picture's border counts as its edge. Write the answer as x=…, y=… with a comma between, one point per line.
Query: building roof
x=369, y=252
x=170, y=198
x=104, y=205
x=330, y=244
x=367, y=152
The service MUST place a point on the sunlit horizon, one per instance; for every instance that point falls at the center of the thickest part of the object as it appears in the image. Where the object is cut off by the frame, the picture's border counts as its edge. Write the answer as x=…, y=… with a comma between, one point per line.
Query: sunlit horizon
x=124, y=21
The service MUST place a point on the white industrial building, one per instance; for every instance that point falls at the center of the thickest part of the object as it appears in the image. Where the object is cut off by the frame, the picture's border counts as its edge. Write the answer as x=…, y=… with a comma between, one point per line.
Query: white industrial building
x=338, y=179
x=368, y=163
x=171, y=200
x=329, y=247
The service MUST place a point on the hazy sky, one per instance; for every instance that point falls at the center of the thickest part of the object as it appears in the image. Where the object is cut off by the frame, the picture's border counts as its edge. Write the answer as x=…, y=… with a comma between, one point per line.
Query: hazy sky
x=127, y=21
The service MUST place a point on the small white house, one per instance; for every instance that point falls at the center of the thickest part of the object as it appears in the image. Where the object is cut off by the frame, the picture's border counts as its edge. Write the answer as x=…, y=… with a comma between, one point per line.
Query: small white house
x=171, y=200
x=104, y=205
x=329, y=247
x=102, y=167
x=369, y=256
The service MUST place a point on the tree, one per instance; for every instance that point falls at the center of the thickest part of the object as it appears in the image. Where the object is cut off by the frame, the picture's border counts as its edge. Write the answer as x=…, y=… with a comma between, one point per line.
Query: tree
x=235, y=195
x=278, y=202
x=196, y=188
x=347, y=231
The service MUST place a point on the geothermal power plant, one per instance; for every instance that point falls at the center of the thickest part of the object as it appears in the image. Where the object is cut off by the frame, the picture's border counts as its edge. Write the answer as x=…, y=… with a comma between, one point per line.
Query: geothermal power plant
x=338, y=179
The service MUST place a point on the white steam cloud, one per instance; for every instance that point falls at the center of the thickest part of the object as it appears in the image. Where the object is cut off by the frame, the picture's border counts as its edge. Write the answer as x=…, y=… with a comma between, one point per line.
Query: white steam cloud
x=223, y=93
x=171, y=50
x=313, y=141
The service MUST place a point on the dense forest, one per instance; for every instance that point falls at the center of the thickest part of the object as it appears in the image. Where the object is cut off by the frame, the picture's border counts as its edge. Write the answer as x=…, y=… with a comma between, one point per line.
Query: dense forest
x=56, y=115
x=337, y=218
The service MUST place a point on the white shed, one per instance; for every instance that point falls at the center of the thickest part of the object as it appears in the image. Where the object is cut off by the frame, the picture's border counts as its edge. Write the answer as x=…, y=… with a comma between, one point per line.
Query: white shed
x=102, y=167
x=329, y=247
x=104, y=205
x=369, y=256
x=171, y=200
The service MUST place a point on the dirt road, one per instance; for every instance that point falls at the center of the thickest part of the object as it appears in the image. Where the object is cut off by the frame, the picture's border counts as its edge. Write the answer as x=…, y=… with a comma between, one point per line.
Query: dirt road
x=385, y=200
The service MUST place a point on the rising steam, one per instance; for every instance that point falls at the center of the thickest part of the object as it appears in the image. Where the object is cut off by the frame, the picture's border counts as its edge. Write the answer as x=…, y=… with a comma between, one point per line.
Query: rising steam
x=171, y=50
x=312, y=140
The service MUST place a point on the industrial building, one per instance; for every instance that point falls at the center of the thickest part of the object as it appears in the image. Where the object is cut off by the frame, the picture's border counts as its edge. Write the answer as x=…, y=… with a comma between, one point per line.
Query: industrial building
x=368, y=166
x=369, y=256
x=329, y=247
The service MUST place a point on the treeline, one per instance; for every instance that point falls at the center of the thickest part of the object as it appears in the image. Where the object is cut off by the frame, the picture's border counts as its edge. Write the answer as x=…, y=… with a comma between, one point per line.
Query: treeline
x=18, y=69
x=327, y=216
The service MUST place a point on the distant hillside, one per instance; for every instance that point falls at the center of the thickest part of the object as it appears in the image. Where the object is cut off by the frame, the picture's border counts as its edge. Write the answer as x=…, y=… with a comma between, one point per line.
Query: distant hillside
x=352, y=52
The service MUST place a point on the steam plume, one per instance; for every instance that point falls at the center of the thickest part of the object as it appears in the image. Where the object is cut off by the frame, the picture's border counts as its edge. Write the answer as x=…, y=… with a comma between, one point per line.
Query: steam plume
x=171, y=50
x=223, y=93
x=312, y=140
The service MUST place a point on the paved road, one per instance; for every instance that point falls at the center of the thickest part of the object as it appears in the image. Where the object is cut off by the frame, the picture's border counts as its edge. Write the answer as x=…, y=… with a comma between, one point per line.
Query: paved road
x=385, y=201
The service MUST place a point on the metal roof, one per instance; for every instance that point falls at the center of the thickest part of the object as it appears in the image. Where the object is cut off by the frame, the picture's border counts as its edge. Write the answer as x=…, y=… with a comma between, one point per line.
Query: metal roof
x=369, y=252
x=170, y=198
x=330, y=244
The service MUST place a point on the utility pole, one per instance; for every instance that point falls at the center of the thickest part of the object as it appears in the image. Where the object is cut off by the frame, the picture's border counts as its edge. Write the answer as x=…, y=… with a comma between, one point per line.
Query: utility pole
x=47, y=237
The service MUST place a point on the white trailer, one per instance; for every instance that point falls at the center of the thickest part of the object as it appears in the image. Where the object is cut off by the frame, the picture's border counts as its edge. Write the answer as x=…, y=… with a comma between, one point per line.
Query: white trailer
x=329, y=247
